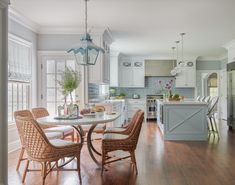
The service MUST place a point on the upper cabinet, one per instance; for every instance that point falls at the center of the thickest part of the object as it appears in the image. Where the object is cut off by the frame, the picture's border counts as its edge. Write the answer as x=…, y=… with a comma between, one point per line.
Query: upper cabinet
x=126, y=71
x=131, y=72
x=100, y=72
x=186, y=78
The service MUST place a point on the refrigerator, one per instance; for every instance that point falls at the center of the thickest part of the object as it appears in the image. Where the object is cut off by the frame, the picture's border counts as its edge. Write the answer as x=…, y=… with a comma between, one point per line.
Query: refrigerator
x=231, y=95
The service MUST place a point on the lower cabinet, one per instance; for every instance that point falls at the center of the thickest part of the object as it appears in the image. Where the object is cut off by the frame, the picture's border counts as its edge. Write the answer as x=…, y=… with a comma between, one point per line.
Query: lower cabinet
x=135, y=104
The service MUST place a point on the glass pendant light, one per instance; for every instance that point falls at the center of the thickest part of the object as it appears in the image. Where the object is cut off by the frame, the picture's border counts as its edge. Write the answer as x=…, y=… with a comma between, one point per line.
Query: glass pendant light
x=86, y=53
x=182, y=62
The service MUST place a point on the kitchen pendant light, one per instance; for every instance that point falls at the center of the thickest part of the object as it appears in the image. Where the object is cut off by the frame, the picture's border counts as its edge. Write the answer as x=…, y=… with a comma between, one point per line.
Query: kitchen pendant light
x=177, y=51
x=176, y=70
x=182, y=62
x=173, y=52
x=86, y=53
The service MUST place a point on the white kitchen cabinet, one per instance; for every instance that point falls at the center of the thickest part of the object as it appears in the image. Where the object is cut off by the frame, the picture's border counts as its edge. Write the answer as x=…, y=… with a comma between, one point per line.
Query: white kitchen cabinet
x=186, y=78
x=118, y=106
x=125, y=73
x=131, y=73
x=100, y=72
x=138, y=74
x=114, y=69
x=135, y=104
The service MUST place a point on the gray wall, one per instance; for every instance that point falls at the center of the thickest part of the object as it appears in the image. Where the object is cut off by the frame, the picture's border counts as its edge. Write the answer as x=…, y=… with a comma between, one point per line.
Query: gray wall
x=208, y=65
x=57, y=42
x=23, y=32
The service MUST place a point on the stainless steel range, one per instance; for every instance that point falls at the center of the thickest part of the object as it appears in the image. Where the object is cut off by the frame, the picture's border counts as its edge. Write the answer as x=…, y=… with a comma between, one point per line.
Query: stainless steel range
x=152, y=106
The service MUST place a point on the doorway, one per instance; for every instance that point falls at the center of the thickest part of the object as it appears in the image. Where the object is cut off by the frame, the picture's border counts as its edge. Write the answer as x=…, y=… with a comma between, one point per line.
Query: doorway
x=212, y=85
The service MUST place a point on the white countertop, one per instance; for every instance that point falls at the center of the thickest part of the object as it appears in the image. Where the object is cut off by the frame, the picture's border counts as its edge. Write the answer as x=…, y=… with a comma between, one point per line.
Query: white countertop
x=185, y=102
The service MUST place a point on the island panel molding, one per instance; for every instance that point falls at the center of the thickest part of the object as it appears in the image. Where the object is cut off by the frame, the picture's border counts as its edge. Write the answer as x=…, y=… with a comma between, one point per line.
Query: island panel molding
x=184, y=120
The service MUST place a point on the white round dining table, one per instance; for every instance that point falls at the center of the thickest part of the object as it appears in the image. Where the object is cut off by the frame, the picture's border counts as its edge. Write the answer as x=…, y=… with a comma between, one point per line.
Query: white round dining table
x=77, y=125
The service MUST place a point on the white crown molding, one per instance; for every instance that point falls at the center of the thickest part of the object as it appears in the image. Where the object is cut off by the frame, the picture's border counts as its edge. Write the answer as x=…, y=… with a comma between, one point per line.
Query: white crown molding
x=22, y=20
x=26, y=22
x=4, y=3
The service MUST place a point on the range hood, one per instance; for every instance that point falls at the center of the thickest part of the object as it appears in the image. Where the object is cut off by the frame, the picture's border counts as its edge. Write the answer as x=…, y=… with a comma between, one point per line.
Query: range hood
x=159, y=67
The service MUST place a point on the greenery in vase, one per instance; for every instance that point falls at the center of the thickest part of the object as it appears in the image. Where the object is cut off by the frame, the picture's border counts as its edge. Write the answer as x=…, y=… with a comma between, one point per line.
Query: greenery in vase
x=70, y=81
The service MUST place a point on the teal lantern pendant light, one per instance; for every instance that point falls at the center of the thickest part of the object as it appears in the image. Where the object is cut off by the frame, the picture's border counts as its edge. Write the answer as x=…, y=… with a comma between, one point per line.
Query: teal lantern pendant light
x=86, y=53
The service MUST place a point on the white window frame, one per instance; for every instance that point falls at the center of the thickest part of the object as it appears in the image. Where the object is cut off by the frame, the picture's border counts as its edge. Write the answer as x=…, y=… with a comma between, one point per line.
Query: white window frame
x=28, y=44
x=42, y=57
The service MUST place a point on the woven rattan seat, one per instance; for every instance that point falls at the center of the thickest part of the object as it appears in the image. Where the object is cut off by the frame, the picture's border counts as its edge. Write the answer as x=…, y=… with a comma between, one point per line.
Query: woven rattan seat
x=41, y=150
x=128, y=143
x=54, y=135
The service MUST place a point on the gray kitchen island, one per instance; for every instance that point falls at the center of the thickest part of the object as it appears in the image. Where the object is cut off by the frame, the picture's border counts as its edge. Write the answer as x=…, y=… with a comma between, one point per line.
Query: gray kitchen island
x=182, y=120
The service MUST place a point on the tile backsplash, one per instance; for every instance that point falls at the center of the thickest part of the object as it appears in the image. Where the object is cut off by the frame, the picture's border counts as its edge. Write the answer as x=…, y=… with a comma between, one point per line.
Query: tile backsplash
x=152, y=87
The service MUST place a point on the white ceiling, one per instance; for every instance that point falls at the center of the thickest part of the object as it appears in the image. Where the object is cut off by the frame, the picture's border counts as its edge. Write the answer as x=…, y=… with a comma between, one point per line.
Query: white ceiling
x=144, y=27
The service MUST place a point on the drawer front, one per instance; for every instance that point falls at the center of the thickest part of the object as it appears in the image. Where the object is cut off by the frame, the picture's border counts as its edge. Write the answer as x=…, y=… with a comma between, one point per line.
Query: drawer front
x=136, y=101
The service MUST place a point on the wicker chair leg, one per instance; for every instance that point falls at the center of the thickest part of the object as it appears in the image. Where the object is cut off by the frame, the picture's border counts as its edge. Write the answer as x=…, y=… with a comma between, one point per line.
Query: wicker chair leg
x=79, y=169
x=133, y=160
x=44, y=171
x=72, y=137
x=25, y=171
x=20, y=158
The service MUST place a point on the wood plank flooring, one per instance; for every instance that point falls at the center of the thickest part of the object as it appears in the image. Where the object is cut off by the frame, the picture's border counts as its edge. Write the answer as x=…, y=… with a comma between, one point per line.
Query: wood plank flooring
x=159, y=163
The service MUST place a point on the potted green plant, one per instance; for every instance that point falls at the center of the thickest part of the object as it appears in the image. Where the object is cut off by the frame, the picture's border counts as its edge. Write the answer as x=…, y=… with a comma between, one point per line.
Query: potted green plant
x=70, y=81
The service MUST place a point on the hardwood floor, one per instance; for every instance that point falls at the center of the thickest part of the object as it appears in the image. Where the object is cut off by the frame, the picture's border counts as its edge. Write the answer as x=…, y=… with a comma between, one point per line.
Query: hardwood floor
x=159, y=163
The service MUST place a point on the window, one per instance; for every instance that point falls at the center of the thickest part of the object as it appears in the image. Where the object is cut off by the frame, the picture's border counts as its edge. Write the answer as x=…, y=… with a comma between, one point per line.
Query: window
x=53, y=67
x=19, y=75
x=18, y=98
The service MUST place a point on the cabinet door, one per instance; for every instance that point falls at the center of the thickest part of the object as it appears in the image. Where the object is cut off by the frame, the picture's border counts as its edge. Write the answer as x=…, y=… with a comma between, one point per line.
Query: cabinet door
x=126, y=77
x=138, y=74
x=186, y=79
x=114, y=70
x=180, y=79
x=190, y=77
x=96, y=71
x=106, y=68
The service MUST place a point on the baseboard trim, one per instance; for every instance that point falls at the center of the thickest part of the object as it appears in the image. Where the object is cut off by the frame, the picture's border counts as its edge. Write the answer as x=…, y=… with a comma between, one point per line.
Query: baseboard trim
x=13, y=146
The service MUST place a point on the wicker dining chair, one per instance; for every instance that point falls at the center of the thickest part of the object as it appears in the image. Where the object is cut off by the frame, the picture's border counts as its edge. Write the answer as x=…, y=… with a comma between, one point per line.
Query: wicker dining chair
x=28, y=114
x=66, y=131
x=100, y=128
x=113, y=142
x=124, y=130
x=40, y=149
